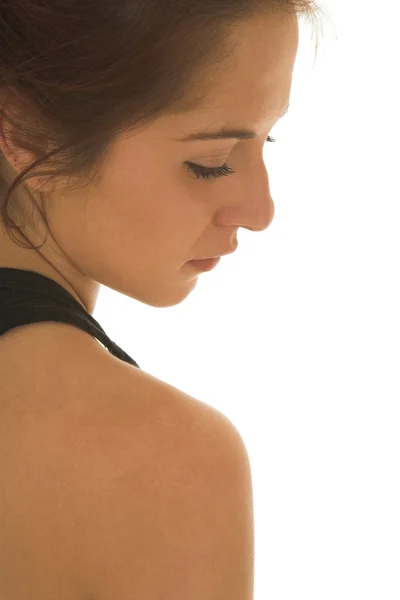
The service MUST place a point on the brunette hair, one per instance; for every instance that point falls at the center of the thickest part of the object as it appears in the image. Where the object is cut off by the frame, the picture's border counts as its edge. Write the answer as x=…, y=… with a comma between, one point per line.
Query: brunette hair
x=76, y=74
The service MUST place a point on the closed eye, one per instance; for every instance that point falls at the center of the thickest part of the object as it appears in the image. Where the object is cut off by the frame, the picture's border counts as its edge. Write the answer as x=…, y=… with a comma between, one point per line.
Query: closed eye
x=209, y=173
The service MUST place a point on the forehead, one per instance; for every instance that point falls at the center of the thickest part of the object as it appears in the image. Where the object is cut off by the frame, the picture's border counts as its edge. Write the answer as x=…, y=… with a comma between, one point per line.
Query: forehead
x=255, y=81
x=250, y=90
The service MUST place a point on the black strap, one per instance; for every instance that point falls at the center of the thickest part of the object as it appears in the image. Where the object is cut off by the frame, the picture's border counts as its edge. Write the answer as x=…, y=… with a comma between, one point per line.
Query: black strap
x=39, y=299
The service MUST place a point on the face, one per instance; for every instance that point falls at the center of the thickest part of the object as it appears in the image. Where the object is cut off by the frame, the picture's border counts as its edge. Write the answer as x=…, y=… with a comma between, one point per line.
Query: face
x=135, y=229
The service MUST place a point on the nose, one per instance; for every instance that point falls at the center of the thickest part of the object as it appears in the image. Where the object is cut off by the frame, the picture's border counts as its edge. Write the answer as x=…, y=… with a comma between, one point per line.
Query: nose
x=263, y=219
x=256, y=209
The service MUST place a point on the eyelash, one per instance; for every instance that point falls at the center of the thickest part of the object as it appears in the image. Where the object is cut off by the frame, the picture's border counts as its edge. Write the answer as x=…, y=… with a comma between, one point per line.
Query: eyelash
x=216, y=172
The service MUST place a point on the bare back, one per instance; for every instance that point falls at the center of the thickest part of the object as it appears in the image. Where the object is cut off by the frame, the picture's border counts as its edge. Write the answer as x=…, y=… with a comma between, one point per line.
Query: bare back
x=57, y=384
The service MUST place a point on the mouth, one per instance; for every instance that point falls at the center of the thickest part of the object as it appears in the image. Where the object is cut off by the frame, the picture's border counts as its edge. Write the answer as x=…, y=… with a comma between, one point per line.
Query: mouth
x=205, y=264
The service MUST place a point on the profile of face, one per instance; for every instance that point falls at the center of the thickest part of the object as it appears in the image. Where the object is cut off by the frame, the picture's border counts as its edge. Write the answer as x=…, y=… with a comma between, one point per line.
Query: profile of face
x=135, y=229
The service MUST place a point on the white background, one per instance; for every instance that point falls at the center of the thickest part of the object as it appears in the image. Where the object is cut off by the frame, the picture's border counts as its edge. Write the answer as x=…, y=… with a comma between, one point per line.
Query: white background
x=296, y=336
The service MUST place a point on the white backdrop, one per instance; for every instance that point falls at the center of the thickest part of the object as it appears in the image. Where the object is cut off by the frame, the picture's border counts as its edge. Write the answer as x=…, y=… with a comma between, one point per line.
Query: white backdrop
x=295, y=337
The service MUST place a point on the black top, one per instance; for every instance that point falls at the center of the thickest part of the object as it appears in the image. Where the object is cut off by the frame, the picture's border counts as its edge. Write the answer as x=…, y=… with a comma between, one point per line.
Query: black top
x=29, y=297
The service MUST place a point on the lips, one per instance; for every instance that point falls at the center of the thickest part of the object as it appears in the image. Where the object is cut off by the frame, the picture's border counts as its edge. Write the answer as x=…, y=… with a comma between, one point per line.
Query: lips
x=218, y=255
x=206, y=264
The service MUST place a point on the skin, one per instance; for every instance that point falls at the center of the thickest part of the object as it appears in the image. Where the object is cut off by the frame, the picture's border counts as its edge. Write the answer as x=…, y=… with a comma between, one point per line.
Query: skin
x=136, y=228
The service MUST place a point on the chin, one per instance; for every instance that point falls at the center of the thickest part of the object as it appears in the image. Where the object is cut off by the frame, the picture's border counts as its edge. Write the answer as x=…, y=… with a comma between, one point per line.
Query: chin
x=166, y=297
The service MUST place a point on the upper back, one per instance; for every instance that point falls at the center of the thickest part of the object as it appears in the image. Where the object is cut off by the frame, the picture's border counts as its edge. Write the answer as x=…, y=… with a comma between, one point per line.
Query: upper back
x=104, y=468
x=53, y=377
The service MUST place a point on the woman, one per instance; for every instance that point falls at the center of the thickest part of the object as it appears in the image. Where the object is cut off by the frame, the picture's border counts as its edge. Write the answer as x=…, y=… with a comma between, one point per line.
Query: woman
x=115, y=484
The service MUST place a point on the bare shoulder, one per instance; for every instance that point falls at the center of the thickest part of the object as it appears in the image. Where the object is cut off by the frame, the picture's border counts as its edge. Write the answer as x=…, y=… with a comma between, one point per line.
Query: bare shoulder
x=144, y=420
x=135, y=483
x=162, y=498
x=140, y=401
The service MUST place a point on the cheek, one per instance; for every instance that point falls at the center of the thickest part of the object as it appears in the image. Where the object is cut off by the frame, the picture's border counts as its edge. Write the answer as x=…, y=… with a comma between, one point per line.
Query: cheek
x=155, y=219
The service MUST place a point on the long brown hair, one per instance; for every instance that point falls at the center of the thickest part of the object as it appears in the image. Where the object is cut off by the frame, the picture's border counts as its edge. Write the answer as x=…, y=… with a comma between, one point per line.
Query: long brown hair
x=76, y=74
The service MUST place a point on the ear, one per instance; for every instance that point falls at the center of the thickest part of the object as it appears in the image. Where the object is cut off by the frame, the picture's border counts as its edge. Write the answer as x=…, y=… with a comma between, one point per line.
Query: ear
x=17, y=159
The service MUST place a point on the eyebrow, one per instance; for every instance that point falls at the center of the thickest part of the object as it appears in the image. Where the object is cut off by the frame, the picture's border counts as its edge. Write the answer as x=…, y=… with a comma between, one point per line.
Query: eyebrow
x=224, y=134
